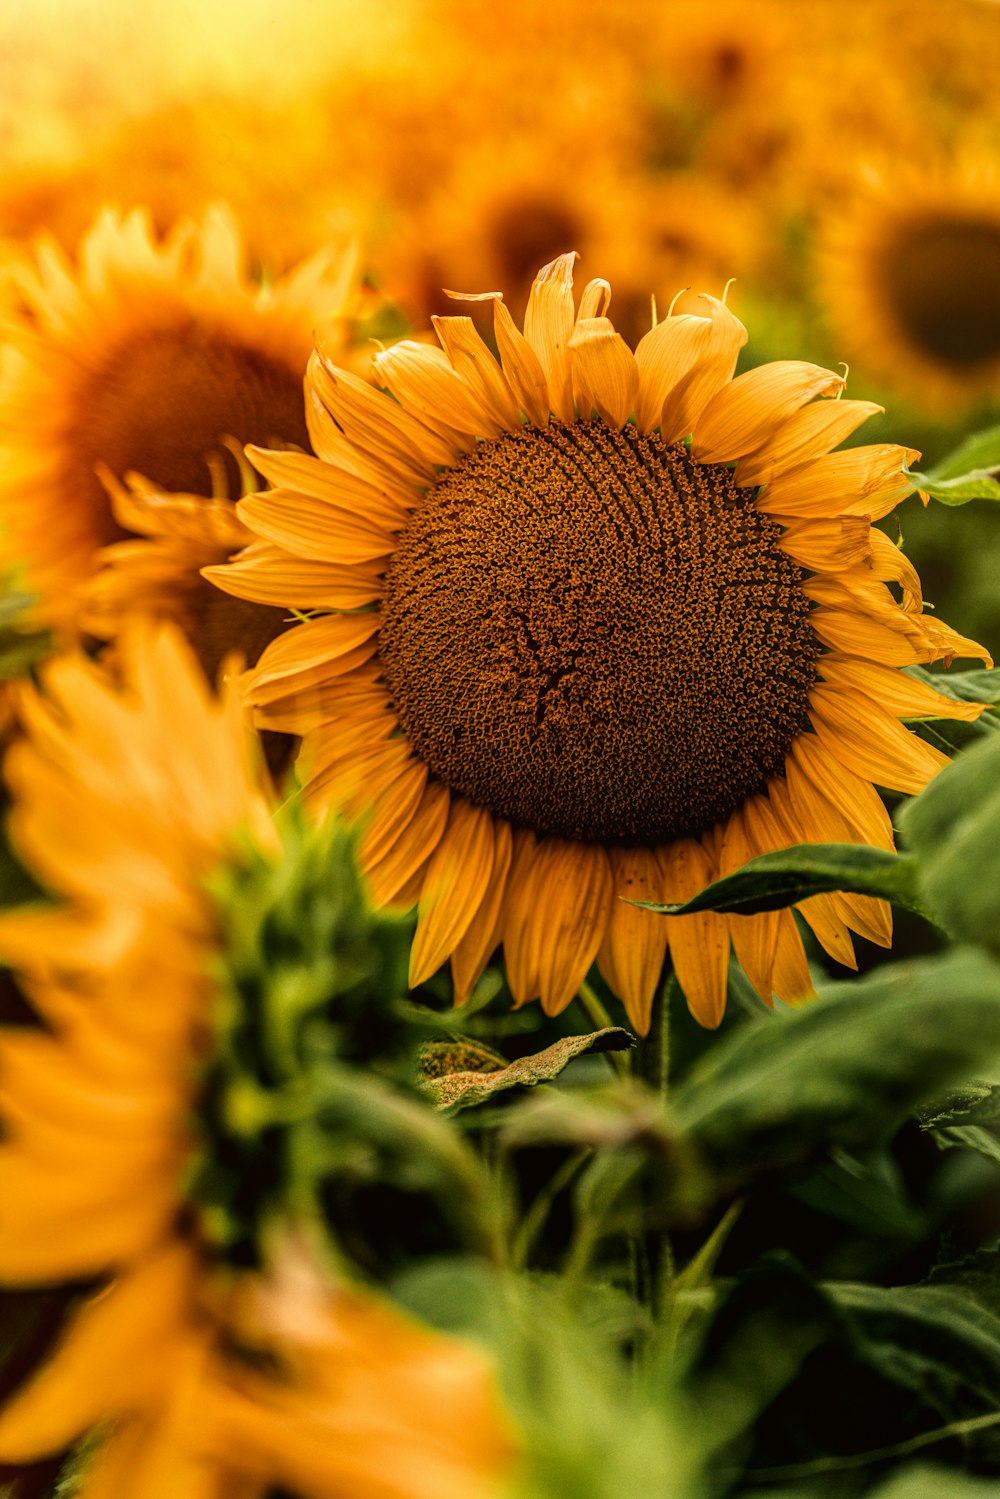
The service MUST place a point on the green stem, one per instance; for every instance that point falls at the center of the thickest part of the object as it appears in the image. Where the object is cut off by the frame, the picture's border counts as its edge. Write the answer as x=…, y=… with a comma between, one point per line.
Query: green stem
x=535, y=1218
x=656, y=1249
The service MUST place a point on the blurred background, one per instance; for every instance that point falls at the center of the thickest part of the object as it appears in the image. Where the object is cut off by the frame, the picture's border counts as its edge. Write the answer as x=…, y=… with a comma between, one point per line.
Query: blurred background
x=840, y=162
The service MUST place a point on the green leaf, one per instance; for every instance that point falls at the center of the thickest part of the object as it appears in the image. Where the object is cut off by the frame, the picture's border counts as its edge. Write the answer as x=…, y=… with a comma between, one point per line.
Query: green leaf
x=836, y=1382
x=980, y=451
x=972, y=1122
x=846, y=1070
x=461, y=1090
x=773, y=881
x=977, y=485
x=954, y=829
x=961, y=686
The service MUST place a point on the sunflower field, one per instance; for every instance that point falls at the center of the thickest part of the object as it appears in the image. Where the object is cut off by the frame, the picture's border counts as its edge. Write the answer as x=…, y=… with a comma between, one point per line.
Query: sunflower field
x=500, y=750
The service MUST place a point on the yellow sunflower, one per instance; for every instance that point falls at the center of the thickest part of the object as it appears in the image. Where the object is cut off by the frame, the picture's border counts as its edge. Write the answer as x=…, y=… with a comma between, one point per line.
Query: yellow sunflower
x=910, y=276
x=567, y=656
x=151, y=357
x=125, y=799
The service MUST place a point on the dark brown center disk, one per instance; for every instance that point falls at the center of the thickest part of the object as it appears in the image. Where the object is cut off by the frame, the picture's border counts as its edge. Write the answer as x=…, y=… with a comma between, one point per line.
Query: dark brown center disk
x=593, y=636
x=942, y=281
x=167, y=401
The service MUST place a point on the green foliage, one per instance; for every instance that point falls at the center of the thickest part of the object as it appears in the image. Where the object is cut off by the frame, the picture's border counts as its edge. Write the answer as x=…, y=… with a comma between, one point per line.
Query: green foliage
x=846, y=1070
x=591, y=1429
x=969, y=473
x=311, y=1103
x=773, y=881
x=953, y=829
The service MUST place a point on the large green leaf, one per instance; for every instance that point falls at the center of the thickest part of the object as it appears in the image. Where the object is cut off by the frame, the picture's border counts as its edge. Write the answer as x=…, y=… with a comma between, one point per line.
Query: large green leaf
x=773, y=881
x=979, y=484
x=971, y=1121
x=846, y=1070
x=829, y=1386
x=980, y=451
x=954, y=829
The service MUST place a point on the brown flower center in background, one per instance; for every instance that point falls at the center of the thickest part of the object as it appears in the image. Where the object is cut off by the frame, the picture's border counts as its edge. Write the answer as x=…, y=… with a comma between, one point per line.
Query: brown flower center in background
x=165, y=402
x=593, y=636
x=942, y=282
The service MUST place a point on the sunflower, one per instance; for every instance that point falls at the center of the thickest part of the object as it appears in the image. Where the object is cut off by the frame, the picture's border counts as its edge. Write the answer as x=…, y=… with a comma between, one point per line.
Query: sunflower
x=203, y=1380
x=566, y=655
x=910, y=276
x=149, y=357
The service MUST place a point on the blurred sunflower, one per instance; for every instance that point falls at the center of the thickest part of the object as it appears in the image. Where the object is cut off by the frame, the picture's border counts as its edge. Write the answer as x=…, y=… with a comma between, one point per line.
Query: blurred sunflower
x=569, y=657
x=199, y=1378
x=148, y=357
x=910, y=275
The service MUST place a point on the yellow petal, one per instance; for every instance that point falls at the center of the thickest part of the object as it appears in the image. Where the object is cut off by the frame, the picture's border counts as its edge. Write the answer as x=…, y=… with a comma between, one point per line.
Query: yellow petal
x=635, y=943
x=482, y=936
x=574, y=892
x=871, y=743
x=827, y=545
x=266, y=574
x=858, y=481
x=385, y=503
x=745, y=413
x=424, y=380
x=548, y=328
x=806, y=435
x=455, y=884
x=699, y=944
x=412, y=847
x=900, y=695
x=889, y=565
x=855, y=799
x=605, y=377
x=857, y=635
x=792, y=983
x=520, y=954
x=375, y=423
x=313, y=529
x=521, y=366
x=315, y=650
x=691, y=367
x=476, y=366
x=753, y=937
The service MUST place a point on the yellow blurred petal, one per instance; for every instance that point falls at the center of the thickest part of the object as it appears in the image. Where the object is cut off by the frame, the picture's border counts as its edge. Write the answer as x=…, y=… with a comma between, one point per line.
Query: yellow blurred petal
x=115, y=1352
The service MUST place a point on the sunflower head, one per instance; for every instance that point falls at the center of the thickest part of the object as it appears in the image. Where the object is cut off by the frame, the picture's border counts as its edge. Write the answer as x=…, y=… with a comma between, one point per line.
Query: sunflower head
x=154, y=357
x=910, y=274
x=592, y=624
x=192, y=1115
